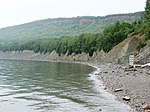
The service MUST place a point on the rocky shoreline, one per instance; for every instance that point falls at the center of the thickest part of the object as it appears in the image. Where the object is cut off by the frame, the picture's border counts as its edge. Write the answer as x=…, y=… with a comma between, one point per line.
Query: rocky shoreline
x=131, y=86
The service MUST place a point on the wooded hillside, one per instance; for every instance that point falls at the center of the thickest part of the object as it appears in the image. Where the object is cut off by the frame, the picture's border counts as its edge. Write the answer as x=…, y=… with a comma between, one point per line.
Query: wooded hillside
x=52, y=28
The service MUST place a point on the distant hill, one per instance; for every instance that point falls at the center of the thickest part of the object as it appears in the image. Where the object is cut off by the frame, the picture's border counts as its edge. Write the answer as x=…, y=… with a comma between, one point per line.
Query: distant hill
x=50, y=28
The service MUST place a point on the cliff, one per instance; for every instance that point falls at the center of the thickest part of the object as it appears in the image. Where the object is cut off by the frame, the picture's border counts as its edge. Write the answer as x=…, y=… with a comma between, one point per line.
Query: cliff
x=119, y=54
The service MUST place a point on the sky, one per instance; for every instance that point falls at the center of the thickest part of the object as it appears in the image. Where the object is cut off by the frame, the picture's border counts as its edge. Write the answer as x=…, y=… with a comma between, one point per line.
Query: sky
x=15, y=12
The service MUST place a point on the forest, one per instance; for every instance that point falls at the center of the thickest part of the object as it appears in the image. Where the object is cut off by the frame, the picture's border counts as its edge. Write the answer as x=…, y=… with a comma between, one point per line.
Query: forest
x=87, y=42
x=57, y=27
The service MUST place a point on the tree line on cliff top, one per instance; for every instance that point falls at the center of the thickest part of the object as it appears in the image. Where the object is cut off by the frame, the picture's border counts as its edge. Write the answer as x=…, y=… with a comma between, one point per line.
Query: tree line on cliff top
x=87, y=42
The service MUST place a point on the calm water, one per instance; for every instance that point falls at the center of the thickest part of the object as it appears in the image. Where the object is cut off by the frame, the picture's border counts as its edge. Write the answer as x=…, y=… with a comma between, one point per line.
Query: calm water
x=30, y=86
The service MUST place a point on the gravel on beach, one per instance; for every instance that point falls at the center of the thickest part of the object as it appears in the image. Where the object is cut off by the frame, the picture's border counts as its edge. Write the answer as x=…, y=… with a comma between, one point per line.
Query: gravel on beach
x=131, y=86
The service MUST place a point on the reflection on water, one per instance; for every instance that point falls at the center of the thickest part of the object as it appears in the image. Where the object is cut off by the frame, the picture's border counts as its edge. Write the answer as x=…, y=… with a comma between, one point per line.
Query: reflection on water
x=30, y=86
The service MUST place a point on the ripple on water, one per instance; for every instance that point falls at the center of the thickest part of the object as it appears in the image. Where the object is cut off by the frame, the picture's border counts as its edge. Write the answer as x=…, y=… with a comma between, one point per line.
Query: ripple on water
x=28, y=86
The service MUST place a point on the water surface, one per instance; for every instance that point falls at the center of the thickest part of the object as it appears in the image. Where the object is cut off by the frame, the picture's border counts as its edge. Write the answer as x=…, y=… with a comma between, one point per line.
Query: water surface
x=32, y=86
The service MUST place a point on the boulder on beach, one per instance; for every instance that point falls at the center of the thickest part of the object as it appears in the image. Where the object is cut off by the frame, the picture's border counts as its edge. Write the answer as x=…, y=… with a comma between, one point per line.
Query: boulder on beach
x=146, y=107
x=119, y=89
x=126, y=98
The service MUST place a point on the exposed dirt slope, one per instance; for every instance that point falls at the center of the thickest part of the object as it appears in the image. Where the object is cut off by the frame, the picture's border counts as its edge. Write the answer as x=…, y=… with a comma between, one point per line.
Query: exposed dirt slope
x=119, y=54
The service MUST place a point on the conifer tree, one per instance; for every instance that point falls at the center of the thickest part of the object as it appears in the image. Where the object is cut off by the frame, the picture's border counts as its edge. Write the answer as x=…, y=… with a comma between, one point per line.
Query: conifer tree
x=147, y=19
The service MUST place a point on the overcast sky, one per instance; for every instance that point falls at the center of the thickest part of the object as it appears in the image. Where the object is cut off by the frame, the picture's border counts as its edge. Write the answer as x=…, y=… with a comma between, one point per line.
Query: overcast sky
x=14, y=12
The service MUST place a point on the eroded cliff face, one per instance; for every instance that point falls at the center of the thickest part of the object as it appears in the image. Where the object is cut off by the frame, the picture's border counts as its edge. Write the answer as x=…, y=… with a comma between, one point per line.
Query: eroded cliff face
x=119, y=54
x=144, y=55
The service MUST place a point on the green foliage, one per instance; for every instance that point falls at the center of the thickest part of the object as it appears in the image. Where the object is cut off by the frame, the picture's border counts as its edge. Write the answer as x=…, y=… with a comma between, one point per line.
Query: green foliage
x=148, y=43
x=54, y=28
x=140, y=45
x=147, y=19
x=115, y=34
x=85, y=42
x=41, y=33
